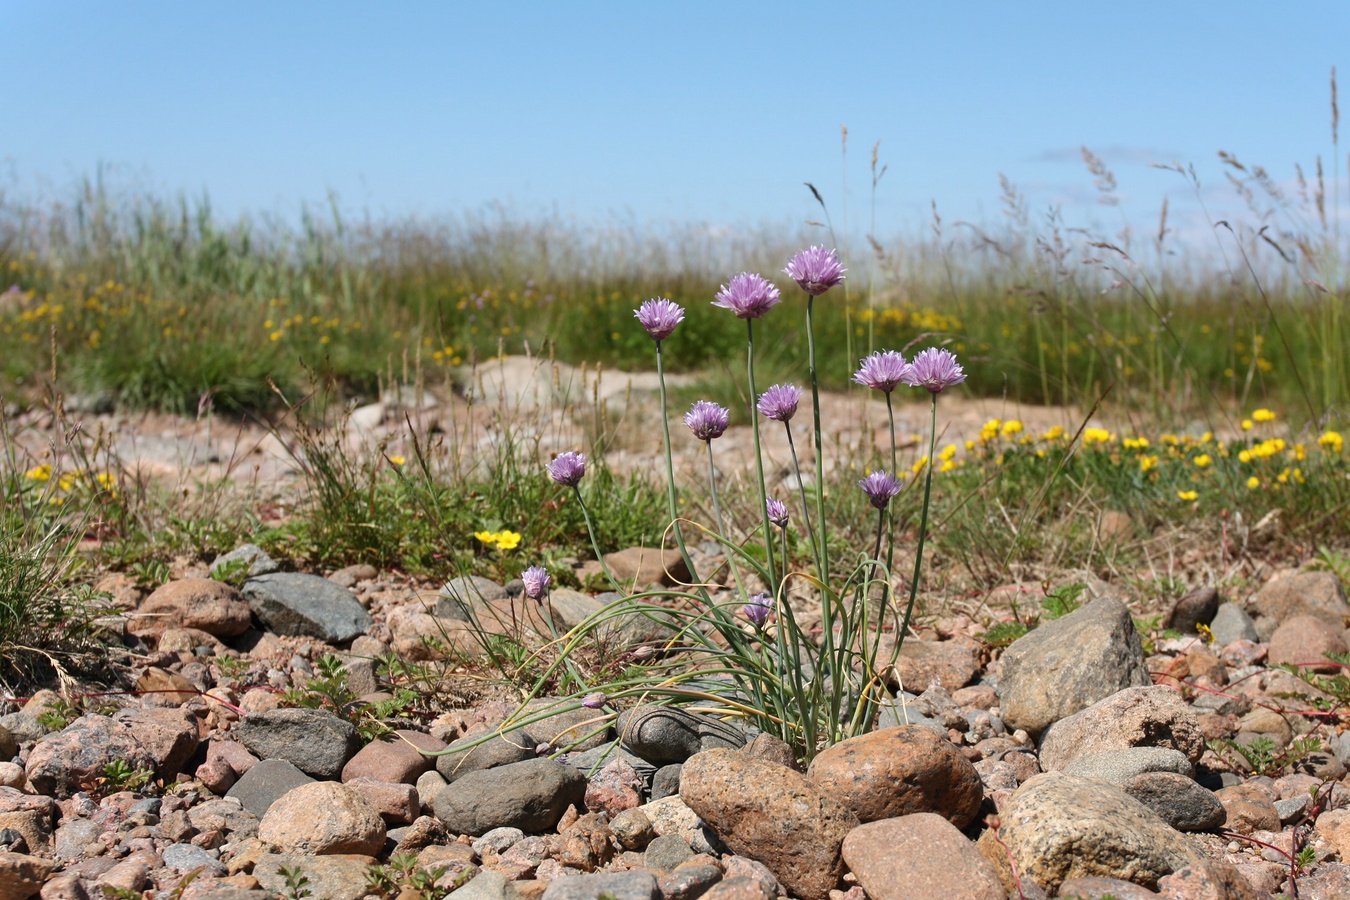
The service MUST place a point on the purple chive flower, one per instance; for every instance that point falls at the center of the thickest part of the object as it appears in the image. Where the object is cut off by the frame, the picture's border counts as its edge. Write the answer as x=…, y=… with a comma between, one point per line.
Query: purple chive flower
x=882, y=370
x=816, y=270
x=758, y=609
x=777, y=511
x=659, y=316
x=567, y=468
x=536, y=582
x=707, y=420
x=880, y=487
x=748, y=295
x=779, y=402
x=595, y=700
x=934, y=369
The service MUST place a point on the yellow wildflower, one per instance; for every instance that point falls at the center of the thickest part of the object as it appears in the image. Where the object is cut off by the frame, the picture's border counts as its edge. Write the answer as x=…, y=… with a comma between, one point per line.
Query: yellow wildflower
x=989, y=430
x=508, y=540
x=1137, y=443
x=1263, y=415
x=39, y=473
x=1054, y=433
x=947, y=452
x=1187, y=495
x=487, y=537
x=1332, y=441
x=1147, y=462
x=947, y=465
x=1244, y=456
x=397, y=460
x=1246, y=424
x=1011, y=427
x=1253, y=483
x=1096, y=436
x=1202, y=460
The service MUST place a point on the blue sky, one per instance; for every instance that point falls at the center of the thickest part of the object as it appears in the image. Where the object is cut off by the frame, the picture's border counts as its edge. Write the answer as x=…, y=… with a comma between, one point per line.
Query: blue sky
x=707, y=112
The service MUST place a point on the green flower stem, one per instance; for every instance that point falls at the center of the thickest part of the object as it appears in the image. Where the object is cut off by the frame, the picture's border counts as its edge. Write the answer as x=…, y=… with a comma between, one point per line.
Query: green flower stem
x=759, y=457
x=820, y=455
x=670, y=473
x=721, y=526
x=890, y=535
x=806, y=509
x=923, y=529
x=590, y=529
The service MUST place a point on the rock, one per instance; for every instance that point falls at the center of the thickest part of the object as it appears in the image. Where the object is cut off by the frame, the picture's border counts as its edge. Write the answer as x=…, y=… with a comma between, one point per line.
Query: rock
x=488, y=884
x=259, y=563
x=949, y=663
x=322, y=818
x=329, y=877
x=689, y=881
x=899, y=771
x=572, y=729
x=395, y=758
x=1316, y=594
x=664, y=734
x=1119, y=766
x=633, y=830
x=9, y=746
x=570, y=608
x=667, y=852
x=638, y=567
x=634, y=884
x=666, y=781
x=1249, y=807
x=1134, y=717
x=200, y=603
x=1231, y=623
x=1068, y=664
x=772, y=814
x=739, y=888
x=530, y=795
x=904, y=709
x=1210, y=879
x=396, y=803
x=183, y=858
x=1177, y=800
x=22, y=876
x=1306, y=641
x=1330, y=881
x=466, y=592
x=161, y=688
x=1197, y=607
x=315, y=741
x=475, y=754
x=615, y=788
x=917, y=857
x=225, y=814
x=773, y=748
x=265, y=783
x=293, y=603
x=58, y=763
x=170, y=736
x=1058, y=827
x=498, y=840
x=1094, y=888
x=348, y=576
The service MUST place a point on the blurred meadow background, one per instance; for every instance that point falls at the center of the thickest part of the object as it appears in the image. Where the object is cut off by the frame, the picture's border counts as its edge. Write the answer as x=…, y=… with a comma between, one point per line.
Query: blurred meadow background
x=230, y=213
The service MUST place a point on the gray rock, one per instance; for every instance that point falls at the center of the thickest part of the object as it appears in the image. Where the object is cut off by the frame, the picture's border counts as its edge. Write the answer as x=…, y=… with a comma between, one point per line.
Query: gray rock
x=298, y=604
x=590, y=761
x=632, y=885
x=265, y=783
x=905, y=710
x=497, y=750
x=571, y=608
x=1119, y=766
x=498, y=840
x=330, y=877
x=466, y=593
x=73, y=836
x=488, y=884
x=315, y=741
x=530, y=795
x=666, y=781
x=1178, y=800
x=666, y=852
x=1291, y=808
x=1231, y=623
x=1070, y=663
x=229, y=815
x=259, y=563
x=572, y=730
x=1195, y=608
x=1058, y=827
x=632, y=829
x=1318, y=594
x=9, y=746
x=59, y=762
x=183, y=858
x=664, y=734
x=1135, y=717
x=24, y=727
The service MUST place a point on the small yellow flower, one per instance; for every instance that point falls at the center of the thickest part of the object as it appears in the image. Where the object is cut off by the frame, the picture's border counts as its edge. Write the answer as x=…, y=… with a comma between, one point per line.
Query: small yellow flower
x=947, y=465
x=1137, y=443
x=1331, y=441
x=1187, y=495
x=1253, y=483
x=1246, y=424
x=106, y=480
x=1204, y=459
x=1011, y=427
x=947, y=452
x=487, y=537
x=66, y=482
x=1263, y=415
x=274, y=336
x=508, y=540
x=39, y=473
x=1054, y=433
x=1096, y=436
x=397, y=460
x=918, y=466
x=1147, y=462
x=1244, y=456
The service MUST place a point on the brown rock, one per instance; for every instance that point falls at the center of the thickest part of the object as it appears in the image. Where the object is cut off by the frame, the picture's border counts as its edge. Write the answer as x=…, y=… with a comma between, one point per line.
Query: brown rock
x=163, y=688
x=211, y=606
x=917, y=857
x=1210, y=879
x=641, y=566
x=772, y=748
x=952, y=664
x=397, y=758
x=1317, y=594
x=1250, y=808
x=1195, y=608
x=22, y=876
x=615, y=788
x=397, y=803
x=1095, y=888
x=35, y=827
x=169, y=735
x=1306, y=641
x=67, y=886
x=60, y=762
x=739, y=888
x=1135, y=717
x=323, y=817
x=899, y=771
x=772, y=814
